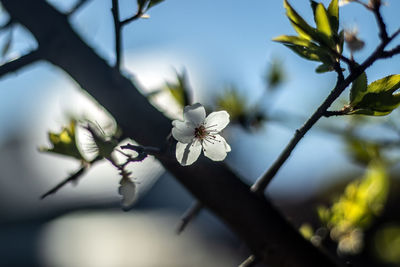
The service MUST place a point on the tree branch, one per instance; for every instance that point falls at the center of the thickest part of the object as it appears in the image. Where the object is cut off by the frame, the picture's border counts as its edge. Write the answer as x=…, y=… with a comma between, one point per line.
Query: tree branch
x=76, y=7
x=253, y=218
x=376, y=9
x=117, y=29
x=20, y=62
x=189, y=216
x=73, y=178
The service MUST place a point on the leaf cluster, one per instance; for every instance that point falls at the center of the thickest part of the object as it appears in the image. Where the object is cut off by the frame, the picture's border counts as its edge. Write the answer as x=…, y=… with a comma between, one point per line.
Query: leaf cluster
x=324, y=43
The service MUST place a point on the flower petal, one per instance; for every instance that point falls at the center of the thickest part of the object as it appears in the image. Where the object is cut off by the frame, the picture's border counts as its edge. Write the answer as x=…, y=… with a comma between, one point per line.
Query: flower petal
x=183, y=131
x=194, y=113
x=127, y=190
x=217, y=120
x=216, y=148
x=186, y=154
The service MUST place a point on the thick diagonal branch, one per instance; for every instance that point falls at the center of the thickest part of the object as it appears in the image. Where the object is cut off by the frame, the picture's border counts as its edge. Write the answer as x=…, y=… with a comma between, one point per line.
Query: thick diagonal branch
x=271, y=238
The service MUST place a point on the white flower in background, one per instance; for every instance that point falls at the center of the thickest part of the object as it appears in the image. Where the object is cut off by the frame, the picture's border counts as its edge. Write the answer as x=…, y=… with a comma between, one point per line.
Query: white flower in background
x=344, y=2
x=198, y=133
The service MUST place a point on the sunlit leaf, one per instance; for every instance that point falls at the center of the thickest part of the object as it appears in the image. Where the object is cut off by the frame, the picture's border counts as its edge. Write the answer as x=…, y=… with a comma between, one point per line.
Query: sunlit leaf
x=298, y=23
x=333, y=12
x=361, y=151
x=295, y=40
x=379, y=99
x=361, y=201
x=387, y=244
x=322, y=20
x=323, y=26
x=64, y=143
x=233, y=103
x=180, y=90
x=358, y=88
x=306, y=231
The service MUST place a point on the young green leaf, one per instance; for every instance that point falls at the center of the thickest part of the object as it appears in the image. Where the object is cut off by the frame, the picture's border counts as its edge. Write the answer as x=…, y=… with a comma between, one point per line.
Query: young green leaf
x=324, y=68
x=358, y=88
x=295, y=40
x=313, y=53
x=314, y=5
x=64, y=143
x=180, y=90
x=323, y=25
x=333, y=12
x=299, y=24
x=379, y=99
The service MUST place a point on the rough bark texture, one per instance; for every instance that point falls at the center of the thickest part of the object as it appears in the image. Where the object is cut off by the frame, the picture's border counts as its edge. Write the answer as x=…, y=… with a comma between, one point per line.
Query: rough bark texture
x=251, y=217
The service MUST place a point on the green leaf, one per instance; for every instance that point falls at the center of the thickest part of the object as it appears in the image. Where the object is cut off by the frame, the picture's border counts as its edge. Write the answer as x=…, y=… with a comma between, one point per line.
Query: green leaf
x=379, y=99
x=304, y=52
x=323, y=25
x=180, y=90
x=361, y=201
x=314, y=5
x=299, y=24
x=64, y=143
x=295, y=40
x=153, y=3
x=324, y=68
x=314, y=54
x=358, y=88
x=333, y=12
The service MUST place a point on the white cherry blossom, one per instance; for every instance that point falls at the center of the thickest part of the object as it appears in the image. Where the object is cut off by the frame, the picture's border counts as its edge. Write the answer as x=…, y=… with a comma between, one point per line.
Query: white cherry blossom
x=198, y=132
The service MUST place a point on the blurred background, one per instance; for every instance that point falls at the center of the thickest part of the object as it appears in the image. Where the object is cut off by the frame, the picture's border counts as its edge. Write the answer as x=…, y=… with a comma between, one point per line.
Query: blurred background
x=223, y=53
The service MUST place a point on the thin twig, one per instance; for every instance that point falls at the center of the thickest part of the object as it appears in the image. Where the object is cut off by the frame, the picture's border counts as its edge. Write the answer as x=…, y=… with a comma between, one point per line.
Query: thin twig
x=376, y=9
x=188, y=216
x=391, y=53
x=117, y=29
x=23, y=61
x=76, y=7
x=72, y=178
x=118, y=25
x=260, y=185
x=249, y=262
x=142, y=149
x=329, y=113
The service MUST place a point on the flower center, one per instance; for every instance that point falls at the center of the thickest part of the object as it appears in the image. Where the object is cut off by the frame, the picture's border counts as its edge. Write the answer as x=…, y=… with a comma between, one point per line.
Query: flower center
x=200, y=132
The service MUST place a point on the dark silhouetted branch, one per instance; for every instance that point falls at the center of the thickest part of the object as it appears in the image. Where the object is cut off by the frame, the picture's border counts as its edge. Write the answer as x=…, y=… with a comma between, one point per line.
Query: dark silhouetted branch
x=76, y=7
x=189, y=216
x=19, y=63
x=73, y=178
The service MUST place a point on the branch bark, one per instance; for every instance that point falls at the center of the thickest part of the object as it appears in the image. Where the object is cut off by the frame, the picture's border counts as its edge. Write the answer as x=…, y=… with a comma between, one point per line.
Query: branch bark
x=19, y=63
x=253, y=218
